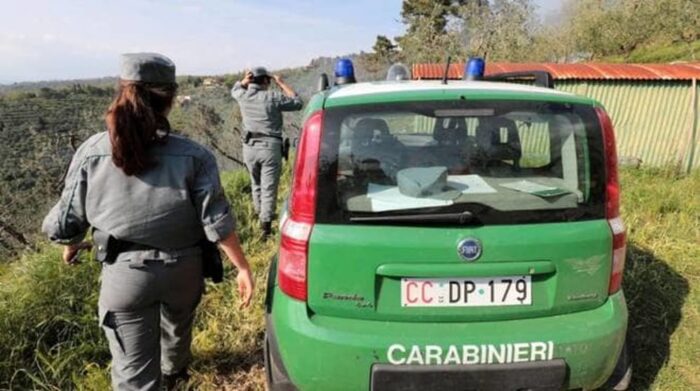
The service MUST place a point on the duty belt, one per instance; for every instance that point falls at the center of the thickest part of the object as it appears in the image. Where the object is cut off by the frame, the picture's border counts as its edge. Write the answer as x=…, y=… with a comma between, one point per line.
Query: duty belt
x=109, y=248
x=254, y=135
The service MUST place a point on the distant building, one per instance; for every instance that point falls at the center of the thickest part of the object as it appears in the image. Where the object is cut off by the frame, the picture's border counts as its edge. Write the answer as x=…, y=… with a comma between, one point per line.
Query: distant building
x=655, y=107
x=210, y=82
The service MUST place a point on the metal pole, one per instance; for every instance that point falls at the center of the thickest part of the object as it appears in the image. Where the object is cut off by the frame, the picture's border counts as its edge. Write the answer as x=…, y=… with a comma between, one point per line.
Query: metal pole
x=694, y=128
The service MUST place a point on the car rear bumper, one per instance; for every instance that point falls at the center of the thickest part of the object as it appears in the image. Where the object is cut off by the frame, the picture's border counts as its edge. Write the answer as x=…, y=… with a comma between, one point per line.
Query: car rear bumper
x=547, y=375
x=328, y=353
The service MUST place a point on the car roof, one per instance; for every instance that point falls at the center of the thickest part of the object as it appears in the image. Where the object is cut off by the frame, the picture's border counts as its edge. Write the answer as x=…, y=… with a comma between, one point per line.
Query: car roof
x=396, y=91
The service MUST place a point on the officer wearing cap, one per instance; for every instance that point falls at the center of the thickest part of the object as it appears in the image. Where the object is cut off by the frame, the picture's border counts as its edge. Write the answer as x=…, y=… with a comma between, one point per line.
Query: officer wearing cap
x=261, y=110
x=158, y=195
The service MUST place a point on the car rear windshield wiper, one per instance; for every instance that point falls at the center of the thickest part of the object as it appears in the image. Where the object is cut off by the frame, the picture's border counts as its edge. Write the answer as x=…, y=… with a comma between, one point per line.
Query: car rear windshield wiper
x=465, y=217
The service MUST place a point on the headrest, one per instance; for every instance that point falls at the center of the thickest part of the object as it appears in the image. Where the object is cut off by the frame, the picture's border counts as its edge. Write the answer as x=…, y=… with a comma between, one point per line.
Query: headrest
x=450, y=131
x=488, y=137
x=373, y=124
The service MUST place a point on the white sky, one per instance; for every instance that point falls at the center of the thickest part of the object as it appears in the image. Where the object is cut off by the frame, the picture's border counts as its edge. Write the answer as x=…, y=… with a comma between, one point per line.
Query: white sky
x=67, y=39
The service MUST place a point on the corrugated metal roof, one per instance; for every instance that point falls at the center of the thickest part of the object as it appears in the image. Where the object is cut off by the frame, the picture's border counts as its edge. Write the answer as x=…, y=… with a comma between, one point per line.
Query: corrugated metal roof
x=582, y=71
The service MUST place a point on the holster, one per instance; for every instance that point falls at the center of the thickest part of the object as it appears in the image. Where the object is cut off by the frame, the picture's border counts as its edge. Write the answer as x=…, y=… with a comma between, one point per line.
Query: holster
x=212, y=267
x=246, y=137
x=107, y=247
x=285, y=148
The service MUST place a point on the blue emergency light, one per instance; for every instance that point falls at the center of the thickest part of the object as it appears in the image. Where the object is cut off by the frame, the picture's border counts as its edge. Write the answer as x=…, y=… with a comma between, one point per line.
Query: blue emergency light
x=474, y=69
x=344, y=72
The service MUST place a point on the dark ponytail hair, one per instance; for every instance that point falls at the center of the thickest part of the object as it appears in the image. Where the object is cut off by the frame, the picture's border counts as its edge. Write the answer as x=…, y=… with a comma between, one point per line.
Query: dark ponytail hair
x=134, y=118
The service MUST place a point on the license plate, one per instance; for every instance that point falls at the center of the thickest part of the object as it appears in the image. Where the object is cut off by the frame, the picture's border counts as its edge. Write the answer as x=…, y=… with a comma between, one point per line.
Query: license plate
x=466, y=292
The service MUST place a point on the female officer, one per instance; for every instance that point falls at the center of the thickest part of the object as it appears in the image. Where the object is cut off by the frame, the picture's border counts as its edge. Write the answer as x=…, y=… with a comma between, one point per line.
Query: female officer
x=158, y=195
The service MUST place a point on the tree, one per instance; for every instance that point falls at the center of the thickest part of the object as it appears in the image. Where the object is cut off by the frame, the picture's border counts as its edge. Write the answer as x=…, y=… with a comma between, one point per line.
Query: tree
x=384, y=54
x=618, y=27
x=384, y=49
x=432, y=14
x=501, y=30
x=497, y=29
x=427, y=39
x=679, y=20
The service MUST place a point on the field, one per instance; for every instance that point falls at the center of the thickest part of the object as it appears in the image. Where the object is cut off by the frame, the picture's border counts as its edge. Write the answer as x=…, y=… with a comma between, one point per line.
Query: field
x=49, y=338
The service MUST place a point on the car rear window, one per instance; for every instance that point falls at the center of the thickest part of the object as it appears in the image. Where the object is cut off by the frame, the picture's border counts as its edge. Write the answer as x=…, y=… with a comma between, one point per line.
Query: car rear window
x=505, y=162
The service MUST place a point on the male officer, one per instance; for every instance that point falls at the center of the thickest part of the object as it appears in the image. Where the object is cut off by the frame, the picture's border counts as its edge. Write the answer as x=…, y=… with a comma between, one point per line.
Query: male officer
x=261, y=110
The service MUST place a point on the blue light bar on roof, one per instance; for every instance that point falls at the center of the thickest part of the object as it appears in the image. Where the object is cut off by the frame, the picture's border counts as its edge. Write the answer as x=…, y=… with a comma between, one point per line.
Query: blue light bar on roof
x=474, y=69
x=344, y=72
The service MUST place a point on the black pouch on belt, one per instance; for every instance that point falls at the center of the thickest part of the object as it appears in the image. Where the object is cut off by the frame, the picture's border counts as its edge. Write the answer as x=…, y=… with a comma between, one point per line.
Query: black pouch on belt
x=212, y=267
x=107, y=247
x=285, y=148
x=247, y=136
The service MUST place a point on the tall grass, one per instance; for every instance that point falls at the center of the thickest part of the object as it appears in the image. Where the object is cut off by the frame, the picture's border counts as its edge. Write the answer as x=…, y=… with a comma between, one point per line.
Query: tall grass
x=48, y=322
x=662, y=277
x=49, y=334
x=49, y=338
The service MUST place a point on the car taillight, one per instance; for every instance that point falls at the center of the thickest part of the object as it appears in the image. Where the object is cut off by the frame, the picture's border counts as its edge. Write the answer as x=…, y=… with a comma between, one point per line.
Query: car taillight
x=297, y=226
x=612, y=203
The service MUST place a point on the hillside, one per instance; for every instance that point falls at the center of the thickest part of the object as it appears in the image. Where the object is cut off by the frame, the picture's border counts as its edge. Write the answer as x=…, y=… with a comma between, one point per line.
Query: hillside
x=42, y=123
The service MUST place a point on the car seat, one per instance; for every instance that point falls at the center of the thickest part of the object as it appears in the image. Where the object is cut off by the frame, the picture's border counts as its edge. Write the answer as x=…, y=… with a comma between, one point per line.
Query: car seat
x=492, y=150
x=452, y=148
x=374, y=149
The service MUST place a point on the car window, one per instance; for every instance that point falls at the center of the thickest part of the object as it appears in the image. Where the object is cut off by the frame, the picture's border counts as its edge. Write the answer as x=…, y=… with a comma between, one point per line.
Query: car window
x=501, y=160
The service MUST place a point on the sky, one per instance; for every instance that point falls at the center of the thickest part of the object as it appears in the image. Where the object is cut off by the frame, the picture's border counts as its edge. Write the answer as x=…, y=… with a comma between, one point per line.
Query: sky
x=71, y=39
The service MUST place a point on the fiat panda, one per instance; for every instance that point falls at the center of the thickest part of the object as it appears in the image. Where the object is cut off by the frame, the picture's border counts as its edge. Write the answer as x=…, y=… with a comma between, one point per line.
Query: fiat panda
x=461, y=235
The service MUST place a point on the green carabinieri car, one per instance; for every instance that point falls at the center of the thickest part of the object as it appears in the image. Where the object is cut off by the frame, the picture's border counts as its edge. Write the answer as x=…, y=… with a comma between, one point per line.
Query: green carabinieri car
x=458, y=236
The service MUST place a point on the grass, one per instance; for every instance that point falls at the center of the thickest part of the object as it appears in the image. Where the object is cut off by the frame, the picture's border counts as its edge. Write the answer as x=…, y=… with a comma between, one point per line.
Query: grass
x=49, y=339
x=679, y=51
x=662, y=277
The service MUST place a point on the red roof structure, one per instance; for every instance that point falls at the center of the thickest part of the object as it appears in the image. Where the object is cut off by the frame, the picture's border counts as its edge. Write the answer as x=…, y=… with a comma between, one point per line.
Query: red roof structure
x=582, y=71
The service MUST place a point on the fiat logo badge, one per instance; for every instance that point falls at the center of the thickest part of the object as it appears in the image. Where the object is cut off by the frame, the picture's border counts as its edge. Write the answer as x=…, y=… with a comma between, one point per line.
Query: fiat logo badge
x=469, y=249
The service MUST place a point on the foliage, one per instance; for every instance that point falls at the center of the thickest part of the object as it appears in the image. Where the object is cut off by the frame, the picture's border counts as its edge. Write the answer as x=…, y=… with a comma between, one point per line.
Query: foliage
x=48, y=319
x=39, y=133
x=501, y=31
x=384, y=54
x=621, y=26
x=662, y=277
x=49, y=334
x=425, y=43
x=41, y=125
x=507, y=30
x=657, y=53
x=433, y=14
x=49, y=338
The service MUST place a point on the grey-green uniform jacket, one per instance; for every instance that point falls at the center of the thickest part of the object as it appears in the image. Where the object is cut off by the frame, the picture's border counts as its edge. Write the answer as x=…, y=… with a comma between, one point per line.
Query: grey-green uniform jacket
x=171, y=206
x=262, y=109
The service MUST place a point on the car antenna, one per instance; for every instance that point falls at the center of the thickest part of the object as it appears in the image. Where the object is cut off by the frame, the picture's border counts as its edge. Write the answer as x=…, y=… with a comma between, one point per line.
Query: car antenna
x=447, y=70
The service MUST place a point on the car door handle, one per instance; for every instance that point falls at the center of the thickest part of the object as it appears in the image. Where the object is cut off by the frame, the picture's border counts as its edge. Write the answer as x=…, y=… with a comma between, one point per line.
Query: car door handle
x=466, y=269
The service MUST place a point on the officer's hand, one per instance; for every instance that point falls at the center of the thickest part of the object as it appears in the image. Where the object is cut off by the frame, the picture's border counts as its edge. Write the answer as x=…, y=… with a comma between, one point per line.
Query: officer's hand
x=247, y=78
x=71, y=252
x=246, y=286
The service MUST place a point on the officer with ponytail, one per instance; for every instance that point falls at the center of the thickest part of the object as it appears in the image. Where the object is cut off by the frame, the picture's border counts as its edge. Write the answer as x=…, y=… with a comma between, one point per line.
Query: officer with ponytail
x=151, y=198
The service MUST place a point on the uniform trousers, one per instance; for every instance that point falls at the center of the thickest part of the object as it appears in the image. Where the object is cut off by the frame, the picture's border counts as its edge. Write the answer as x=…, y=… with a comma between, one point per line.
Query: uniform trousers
x=146, y=307
x=263, y=158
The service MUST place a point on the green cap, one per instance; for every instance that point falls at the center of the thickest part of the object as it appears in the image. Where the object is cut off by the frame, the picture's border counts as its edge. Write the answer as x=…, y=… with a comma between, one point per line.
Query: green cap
x=147, y=68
